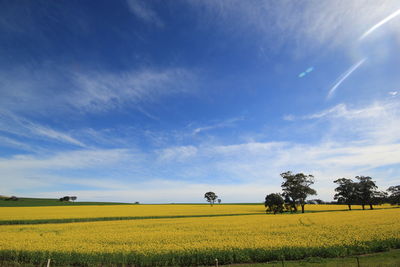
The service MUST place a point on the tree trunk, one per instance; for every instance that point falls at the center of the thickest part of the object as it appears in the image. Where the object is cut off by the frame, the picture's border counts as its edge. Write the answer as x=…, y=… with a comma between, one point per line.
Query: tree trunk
x=363, y=206
x=302, y=208
x=370, y=207
x=349, y=206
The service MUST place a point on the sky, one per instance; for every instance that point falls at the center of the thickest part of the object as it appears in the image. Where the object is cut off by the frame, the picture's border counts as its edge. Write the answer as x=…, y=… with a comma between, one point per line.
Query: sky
x=161, y=101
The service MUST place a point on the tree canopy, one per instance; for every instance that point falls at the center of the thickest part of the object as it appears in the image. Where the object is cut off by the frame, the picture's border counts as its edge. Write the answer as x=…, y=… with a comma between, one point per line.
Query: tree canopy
x=296, y=188
x=210, y=197
x=346, y=191
x=274, y=203
x=394, y=197
x=366, y=191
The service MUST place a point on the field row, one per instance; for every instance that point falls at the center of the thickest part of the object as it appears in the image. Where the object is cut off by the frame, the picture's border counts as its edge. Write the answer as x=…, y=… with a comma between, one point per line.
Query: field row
x=118, y=211
x=192, y=241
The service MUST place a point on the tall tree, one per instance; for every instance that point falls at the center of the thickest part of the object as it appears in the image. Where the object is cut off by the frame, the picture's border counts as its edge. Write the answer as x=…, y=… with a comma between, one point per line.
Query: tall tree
x=345, y=192
x=210, y=197
x=394, y=197
x=274, y=203
x=296, y=188
x=366, y=191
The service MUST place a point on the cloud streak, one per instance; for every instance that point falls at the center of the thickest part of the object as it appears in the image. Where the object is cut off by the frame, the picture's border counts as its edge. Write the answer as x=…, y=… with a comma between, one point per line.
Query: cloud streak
x=226, y=123
x=344, y=76
x=379, y=24
x=21, y=91
x=142, y=11
x=309, y=24
x=16, y=125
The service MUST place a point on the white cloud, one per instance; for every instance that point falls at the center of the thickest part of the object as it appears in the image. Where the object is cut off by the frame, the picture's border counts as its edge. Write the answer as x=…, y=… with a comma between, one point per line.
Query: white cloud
x=25, y=90
x=309, y=24
x=380, y=24
x=288, y=117
x=104, y=91
x=344, y=76
x=223, y=124
x=145, y=13
x=66, y=160
x=9, y=142
x=177, y=153
x=20, y=126
x=354, y=141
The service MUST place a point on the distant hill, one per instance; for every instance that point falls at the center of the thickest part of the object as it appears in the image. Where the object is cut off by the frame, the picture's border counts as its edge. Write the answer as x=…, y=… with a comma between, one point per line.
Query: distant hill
x=36, y=202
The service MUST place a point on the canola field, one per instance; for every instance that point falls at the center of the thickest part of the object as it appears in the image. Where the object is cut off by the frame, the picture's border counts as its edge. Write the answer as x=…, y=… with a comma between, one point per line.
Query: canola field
x=22, y=215
x=67, y=212
x=185, y=241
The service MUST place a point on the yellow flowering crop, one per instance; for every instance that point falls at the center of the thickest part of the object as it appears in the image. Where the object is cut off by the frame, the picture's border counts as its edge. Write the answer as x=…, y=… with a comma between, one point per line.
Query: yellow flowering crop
x=63, y=212
x=181, y=234
x=253, y=237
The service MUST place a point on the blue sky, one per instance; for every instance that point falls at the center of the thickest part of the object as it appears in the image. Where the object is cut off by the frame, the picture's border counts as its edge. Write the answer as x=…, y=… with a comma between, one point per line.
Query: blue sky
x=161, y=101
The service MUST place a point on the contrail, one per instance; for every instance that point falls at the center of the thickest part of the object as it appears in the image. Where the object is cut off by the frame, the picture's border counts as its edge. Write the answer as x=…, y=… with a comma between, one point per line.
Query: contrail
x=379, y=24
x=344, y=76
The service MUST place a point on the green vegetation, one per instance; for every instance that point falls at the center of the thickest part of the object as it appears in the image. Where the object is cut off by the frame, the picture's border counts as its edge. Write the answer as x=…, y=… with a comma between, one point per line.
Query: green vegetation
x=383, y=259
x=37, y=202
x=205, y=257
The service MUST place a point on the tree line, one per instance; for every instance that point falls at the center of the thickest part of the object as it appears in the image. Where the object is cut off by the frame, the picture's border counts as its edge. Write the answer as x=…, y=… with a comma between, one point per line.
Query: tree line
x=297, y=187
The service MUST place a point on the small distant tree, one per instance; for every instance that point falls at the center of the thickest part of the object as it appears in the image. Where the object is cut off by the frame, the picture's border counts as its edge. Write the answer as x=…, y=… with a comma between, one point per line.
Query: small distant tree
x=394, y=197
x=137, y=203
x=66, y=198
x=366, y=191
x=73, y=198
x=345, y=192
x=296, y=188
x=210, y=197
x=274, y=203
x=219, y=201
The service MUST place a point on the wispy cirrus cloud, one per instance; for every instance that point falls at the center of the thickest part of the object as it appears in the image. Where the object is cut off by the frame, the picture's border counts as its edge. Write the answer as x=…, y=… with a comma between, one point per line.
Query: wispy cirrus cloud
x=226, y=123
x=376, y=123
x=144, y=12
x=24, y=90
x=355, y=141
x=309, y=24
x=67, y=159
x=19, y=126
x=102, y=91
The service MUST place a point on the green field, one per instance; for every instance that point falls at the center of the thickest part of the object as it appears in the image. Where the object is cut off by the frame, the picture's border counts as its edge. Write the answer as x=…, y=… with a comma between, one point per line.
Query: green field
x=382, y=259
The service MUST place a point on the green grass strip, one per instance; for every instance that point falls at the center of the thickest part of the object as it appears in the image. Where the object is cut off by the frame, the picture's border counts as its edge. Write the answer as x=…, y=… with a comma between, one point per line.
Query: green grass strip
x=195, y=257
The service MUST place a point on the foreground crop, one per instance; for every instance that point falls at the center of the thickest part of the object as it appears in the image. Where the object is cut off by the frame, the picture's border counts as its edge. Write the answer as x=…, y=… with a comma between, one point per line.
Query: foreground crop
x=192, y=241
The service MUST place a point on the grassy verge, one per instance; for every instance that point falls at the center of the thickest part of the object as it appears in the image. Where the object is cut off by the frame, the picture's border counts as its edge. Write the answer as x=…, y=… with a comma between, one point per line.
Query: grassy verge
x=382, y=259
x=194, y=257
